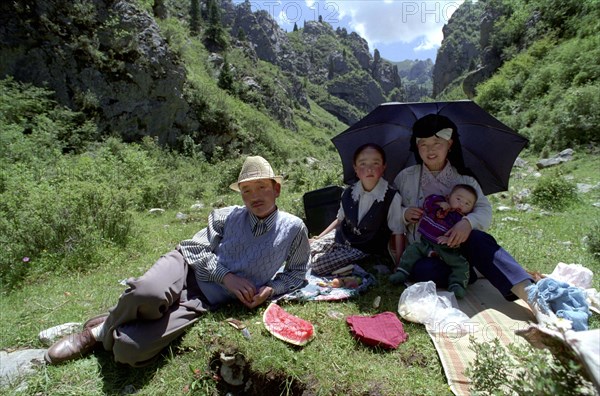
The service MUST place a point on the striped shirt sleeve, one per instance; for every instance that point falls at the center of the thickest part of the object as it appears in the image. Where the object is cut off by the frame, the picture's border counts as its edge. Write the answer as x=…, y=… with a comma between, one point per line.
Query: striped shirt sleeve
x=294, y=272
x=199, y=251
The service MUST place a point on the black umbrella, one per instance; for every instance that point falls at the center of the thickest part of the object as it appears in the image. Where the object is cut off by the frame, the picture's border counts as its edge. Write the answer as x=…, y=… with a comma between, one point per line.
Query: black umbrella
x=489, y=148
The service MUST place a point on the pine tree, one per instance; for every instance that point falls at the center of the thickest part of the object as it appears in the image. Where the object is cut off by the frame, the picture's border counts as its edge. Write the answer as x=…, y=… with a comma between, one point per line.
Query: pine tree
x=159, y=9
x=295, y=27
x=194, y=17
x=215, y=32
x=241, y=34
x=226, y=77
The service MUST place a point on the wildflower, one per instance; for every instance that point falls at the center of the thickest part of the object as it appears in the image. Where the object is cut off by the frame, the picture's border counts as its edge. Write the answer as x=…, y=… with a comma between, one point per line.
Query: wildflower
x=25, y=259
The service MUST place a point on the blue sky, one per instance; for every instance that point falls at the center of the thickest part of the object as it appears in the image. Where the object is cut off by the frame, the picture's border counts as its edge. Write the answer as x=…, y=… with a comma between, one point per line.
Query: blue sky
x=399, y=29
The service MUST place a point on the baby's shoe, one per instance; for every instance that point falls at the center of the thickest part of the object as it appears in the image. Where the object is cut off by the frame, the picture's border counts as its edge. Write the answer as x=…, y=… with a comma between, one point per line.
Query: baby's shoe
x=399, y=277
x=457, y=289
x=432, y=253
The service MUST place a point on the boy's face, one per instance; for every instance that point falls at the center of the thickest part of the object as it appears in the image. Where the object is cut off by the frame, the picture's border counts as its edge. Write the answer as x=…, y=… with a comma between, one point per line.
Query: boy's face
x=259, y=196
x=462, y=200
x=369, y=167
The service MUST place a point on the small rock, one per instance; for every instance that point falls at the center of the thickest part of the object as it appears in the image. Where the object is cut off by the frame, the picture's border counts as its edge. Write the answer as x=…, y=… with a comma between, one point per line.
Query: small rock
x=596, y=204
x=156, y=211
x=503, y=208
x=128, y=390
x=376, y=302
x=15, y=365
x=523, y=207
x=197, y=206
x=181, y=216
x=522, y=195
x=520, y=162
x=586, y=188
x=563, y=156
x=509, y=219
x=232, y=368
x=49, y=336
x=311, y=160
x=335, y=314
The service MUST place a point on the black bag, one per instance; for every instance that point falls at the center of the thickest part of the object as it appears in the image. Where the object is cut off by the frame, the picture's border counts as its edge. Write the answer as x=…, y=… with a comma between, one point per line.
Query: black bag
x=321, y=207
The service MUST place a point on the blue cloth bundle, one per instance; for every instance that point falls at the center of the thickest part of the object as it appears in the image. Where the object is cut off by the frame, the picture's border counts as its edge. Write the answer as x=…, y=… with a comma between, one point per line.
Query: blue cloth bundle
x=565, y=301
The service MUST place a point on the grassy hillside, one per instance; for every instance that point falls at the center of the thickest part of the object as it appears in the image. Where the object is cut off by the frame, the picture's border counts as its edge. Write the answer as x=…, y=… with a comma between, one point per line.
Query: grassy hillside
x=548, y=87
x=76, y=224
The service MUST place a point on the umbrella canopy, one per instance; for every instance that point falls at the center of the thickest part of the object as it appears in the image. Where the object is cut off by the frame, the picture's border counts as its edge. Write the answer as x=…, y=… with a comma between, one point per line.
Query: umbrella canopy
x=489, y=147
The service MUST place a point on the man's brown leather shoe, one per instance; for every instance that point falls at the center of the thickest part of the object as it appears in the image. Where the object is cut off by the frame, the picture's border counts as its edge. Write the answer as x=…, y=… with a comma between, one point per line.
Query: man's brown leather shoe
x=71, y=347
x=95, y=321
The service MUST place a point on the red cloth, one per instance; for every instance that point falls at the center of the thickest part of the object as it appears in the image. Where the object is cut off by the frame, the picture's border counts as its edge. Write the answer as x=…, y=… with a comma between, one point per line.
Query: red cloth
x=384, y=330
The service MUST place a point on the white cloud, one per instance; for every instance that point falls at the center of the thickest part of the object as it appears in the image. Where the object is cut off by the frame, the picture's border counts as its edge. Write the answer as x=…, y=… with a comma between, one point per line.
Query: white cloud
x=393, y=21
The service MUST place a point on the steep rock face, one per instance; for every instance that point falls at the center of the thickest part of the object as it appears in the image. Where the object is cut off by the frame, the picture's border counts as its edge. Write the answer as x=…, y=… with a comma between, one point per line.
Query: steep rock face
x=108, y=59
x=359, y=89
x=360, y=50
x=420, y=72
x=268, y=42
x=387, y=75
x=490, y=57
x=262, y=31
x=460, y=50
x=416, y=79
x=322, y=55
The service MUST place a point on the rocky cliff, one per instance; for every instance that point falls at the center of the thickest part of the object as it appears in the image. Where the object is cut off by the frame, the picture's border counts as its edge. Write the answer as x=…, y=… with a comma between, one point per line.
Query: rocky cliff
x=338, y=61
x=110, y=60
x=460, y=50
x=105, y=57
x=417, y=76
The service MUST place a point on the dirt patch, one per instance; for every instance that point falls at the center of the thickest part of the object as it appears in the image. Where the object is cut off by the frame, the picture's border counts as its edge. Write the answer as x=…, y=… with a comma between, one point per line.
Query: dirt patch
x=234, y=376
x=414, y=359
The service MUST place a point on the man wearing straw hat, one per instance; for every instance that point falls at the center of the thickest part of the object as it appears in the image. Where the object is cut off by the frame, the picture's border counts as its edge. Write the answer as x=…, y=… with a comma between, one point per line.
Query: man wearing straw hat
x=236, y=257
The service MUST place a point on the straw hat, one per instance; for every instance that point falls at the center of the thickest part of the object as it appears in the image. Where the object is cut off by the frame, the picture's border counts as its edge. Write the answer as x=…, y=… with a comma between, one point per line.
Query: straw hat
x=255, y=168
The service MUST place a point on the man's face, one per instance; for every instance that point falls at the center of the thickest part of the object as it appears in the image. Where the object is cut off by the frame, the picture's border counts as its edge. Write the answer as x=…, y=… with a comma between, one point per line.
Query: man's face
x=259, y=196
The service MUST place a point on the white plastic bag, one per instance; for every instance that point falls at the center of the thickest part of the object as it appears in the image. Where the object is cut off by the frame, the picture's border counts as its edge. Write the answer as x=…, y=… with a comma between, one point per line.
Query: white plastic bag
x=573, y=274
x=418, y=302
x=421, y=303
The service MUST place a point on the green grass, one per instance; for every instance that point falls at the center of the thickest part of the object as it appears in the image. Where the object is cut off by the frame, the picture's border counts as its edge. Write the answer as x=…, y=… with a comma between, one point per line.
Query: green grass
x=333, y=363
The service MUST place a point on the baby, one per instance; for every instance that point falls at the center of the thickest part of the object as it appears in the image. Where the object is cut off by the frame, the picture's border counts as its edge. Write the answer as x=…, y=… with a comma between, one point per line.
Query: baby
x=440, y=214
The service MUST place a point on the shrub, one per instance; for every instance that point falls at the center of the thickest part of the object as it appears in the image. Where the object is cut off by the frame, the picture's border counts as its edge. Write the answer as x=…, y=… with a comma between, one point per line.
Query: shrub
x=593, y=241
x=577, y=116
x=554, y=192
x=59, y=215
x=522, y=370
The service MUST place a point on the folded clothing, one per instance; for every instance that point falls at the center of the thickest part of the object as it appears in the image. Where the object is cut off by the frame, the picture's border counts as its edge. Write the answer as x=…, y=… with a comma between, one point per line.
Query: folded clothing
x=384, y=330
x=565, y=301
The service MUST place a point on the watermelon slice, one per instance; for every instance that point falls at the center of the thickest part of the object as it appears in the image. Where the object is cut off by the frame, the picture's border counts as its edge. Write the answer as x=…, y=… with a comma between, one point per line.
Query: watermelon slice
x=286, y=326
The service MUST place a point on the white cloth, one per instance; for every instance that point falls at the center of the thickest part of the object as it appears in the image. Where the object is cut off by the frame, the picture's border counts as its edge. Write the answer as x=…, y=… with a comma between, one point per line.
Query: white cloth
x=573, y=274
x=366, y=198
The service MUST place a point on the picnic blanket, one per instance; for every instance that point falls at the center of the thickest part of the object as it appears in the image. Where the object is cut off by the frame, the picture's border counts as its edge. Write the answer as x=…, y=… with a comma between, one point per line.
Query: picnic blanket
x=321, y=288
x=491, y=316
